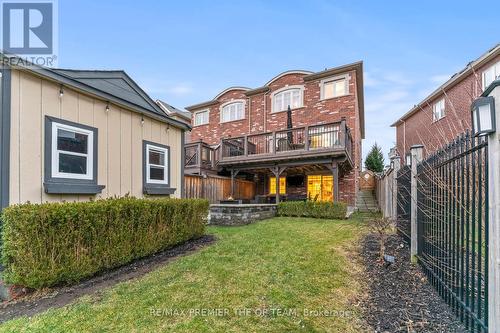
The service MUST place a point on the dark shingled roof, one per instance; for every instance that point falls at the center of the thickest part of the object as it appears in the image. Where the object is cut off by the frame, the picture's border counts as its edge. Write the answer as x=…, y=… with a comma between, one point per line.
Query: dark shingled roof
x=169, y=109
x=116, y=83
x=115, y=86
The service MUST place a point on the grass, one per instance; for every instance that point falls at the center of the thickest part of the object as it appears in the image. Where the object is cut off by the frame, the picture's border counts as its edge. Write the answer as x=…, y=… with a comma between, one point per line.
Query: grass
x=291, y=274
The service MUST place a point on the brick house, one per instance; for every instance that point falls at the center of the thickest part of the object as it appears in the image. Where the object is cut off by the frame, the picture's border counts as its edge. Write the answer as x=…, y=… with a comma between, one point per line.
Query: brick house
x=247, y=133
x=445, y=113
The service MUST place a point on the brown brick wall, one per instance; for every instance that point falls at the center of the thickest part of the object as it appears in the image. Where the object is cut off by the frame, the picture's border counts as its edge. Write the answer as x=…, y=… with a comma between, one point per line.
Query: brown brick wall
x=420, y=128
x=259, y=118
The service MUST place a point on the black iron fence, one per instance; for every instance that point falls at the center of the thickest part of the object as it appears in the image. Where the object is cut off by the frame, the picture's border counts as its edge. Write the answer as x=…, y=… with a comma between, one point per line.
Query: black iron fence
x=404, y=202
x=452, y=217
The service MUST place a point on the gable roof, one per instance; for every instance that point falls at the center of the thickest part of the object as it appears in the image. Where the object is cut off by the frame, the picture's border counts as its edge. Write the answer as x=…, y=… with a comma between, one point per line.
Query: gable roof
x=111, y=85
x=172, y=110
x=452, y=81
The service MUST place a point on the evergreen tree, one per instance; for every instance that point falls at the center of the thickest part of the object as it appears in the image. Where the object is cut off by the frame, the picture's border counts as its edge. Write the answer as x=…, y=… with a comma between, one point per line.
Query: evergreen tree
x=375, y=159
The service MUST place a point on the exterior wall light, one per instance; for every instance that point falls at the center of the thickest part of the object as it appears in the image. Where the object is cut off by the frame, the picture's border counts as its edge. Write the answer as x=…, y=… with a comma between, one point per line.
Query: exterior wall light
x=483, y=116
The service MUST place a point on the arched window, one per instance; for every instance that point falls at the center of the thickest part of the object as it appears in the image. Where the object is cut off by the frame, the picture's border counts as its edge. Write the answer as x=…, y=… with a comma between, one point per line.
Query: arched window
x=292, y=97
x=232, y=111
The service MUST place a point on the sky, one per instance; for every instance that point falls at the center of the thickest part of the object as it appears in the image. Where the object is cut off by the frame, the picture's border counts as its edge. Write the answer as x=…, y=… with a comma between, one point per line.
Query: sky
x=186, y=52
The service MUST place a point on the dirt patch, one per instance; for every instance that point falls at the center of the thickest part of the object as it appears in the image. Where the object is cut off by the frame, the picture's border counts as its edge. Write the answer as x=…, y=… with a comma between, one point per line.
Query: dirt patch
x=61, y=296
x=399, y=298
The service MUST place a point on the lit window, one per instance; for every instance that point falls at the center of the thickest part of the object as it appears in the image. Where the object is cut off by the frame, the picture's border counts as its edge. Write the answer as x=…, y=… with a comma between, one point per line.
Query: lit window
x=272, y=185
x=156, y=164
x=334, y=88
x=320, y=187
x=200, y=118
x=288, y=98
x=491, y=74
x=438, y=110
x=232, y=111
x=72, y=152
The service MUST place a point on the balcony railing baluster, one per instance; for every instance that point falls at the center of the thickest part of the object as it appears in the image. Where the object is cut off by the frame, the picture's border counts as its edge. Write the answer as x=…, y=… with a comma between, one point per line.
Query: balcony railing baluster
x=331, y=136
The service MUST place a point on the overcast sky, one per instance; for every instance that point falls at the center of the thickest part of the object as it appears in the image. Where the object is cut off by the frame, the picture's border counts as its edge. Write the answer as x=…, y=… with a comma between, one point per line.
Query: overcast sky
x=186, y=52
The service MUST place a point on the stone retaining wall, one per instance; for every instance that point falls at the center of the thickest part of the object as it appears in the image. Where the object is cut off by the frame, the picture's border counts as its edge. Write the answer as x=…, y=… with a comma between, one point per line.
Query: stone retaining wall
x=230, y=214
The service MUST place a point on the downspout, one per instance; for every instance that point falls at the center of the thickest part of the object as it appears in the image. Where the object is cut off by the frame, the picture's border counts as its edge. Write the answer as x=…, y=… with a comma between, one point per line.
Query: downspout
x=249, y=114
x=404, y=139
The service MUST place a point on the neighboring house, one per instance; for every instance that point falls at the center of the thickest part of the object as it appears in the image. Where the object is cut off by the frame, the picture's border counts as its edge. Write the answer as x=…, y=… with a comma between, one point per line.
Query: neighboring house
x=180, y=115
x=445, y=113
x=243, y=132
x=173, y=112
x=75, y=134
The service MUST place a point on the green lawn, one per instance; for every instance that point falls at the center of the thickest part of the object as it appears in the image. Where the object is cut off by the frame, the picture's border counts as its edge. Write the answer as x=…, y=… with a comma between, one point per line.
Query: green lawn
x=279, y=275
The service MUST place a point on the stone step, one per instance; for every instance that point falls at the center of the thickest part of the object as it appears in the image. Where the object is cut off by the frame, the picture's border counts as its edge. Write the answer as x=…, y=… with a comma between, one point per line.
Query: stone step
x=366, y=201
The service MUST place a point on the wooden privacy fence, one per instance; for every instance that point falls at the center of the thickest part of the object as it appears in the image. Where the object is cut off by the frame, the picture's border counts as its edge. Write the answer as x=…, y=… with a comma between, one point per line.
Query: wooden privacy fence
x=216, y=188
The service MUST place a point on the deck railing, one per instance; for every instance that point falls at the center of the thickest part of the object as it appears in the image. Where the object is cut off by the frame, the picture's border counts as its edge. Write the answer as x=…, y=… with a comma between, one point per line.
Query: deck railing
x=199, y=155
x=324, y=137
x=332, y=136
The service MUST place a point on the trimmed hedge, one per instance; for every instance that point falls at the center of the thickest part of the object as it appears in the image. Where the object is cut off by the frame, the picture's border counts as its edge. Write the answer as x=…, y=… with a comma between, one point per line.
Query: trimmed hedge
x=61, y=243
x=324, y=210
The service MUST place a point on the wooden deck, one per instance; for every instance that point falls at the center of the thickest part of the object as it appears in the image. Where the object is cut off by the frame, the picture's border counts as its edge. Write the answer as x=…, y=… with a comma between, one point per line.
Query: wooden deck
x=308, y=145
x=302, y=145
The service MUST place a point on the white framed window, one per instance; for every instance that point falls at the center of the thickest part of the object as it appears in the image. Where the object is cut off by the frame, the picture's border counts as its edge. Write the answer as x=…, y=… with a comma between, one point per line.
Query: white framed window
x=200, y=117
x=72, y=152
x=491, y=74
x=292, y=96
x=157, y=164
x=232, y=111
x=438, y=110
x=334, y=87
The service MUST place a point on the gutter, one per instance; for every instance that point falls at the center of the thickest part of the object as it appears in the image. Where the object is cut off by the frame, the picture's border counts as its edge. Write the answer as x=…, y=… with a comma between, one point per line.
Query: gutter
x=52, y=75
x=455, y=79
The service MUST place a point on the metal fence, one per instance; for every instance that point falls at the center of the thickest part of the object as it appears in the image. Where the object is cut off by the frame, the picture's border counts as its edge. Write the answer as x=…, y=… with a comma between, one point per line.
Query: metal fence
x=403, y=223
x=452, y=222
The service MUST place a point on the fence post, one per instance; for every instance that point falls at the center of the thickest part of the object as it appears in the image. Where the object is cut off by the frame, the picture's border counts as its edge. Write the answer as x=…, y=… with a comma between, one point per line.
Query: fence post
x=388, y=196
x=396, y=165
x=416, y=152
x=494, y=221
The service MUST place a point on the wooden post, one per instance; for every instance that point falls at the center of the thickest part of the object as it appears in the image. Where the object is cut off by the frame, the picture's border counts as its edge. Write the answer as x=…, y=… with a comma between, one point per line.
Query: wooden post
x=278, y=188
x=245, y=145
x=306, y=146
x=198, y=148
x=396, y=164
x=234, y=173
x=416, y=152
x=335, y=172
x=274, y=143
x=343, y=132
x=334, y=168
x=494, y=221
x=277, y=171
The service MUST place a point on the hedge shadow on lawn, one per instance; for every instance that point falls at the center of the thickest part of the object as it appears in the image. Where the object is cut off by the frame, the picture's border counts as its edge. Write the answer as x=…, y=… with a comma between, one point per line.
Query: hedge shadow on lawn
x=59, y=297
